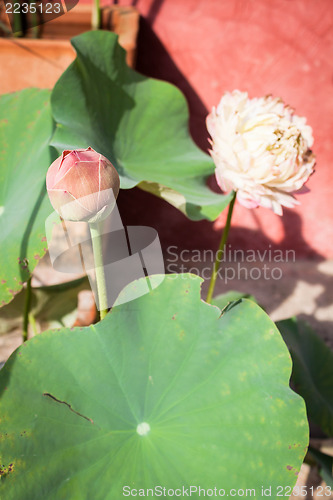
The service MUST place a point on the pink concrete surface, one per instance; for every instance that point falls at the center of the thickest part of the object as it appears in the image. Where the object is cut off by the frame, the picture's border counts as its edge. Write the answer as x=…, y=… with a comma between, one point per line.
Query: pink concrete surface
x=279, y=47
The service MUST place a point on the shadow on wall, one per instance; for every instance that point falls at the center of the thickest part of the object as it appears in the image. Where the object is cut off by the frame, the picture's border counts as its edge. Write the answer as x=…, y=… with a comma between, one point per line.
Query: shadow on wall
x=141, y=208
x=173, y=227
x=153, y=10
x=153, y=60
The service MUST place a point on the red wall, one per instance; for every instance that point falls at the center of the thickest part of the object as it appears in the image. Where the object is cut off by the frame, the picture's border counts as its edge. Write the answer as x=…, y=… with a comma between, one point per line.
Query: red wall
x=282, y=47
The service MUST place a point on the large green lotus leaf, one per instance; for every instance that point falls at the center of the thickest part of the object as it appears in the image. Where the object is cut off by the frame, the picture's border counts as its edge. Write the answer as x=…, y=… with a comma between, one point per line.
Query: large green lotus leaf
x=139, y=123
x=312, y=370
x=165, y=391
x=224, y=299
x=26, y=127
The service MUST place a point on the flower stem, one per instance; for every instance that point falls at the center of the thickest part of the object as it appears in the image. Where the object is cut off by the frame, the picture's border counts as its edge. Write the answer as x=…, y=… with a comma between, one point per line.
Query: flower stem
x=96, y=237
x=219, y=253
x=96, y=15
x=27, y=303
x=32, y=322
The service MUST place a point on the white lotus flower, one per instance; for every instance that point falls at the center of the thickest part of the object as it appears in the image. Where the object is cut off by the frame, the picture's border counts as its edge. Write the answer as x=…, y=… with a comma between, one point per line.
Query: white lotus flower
x=261, y=149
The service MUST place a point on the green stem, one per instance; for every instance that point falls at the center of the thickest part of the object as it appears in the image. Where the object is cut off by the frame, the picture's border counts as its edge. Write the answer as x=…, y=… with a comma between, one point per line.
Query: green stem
x=33, y=324
x=34, y=23
x=26, y=313
x=17, y=25
x=96, y=237
x=219, y=253
x=96, y=15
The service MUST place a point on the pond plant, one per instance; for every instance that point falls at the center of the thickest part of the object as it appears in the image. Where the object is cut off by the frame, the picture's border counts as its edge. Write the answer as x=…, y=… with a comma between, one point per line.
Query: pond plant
x=261, y=149
x=166, y=394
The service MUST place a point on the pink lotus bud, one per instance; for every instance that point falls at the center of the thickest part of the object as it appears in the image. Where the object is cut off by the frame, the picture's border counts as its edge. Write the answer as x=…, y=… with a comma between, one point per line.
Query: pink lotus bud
x=82, y=185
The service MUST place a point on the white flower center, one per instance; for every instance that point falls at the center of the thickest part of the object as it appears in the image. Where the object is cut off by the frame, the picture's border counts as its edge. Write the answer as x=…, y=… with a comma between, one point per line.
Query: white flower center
x=143, y=429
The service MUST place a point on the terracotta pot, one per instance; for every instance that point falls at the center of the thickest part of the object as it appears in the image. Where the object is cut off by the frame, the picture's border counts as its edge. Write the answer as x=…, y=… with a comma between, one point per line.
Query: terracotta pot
x=27, y=62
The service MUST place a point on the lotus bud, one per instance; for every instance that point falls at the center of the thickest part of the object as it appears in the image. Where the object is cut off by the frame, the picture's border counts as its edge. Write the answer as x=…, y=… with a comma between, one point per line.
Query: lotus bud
x=82, y=185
